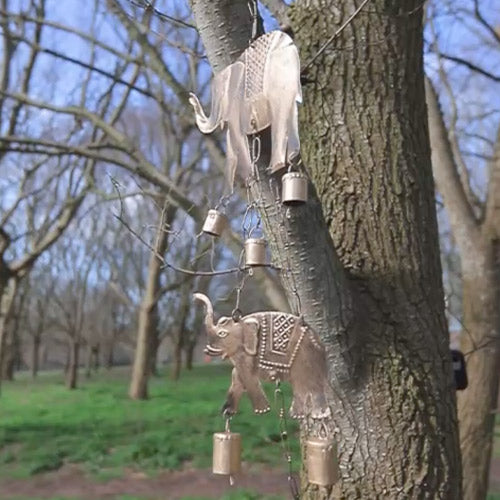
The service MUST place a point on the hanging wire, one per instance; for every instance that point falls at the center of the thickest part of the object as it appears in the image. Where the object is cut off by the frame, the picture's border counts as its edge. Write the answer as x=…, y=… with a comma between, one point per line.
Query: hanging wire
x=254, y=13
x=279, y=401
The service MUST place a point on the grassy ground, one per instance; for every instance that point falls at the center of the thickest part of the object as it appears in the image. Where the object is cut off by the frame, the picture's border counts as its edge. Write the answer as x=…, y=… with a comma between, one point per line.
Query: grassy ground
x=44, y=425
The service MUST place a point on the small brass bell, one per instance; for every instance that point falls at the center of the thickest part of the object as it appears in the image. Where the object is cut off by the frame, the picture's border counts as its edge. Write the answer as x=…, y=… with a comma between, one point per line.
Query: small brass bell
x=255, y=252
x=215, y=223
x=226, y=453
x=322, y=465
x=294, y=188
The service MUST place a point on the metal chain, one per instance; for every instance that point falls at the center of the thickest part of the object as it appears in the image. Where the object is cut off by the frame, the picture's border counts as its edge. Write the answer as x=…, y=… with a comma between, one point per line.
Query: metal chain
x=254, y=12
x=279, y=401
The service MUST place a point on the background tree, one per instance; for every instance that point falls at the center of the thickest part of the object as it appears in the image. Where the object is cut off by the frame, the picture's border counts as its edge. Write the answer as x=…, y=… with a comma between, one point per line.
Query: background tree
x=465, y=140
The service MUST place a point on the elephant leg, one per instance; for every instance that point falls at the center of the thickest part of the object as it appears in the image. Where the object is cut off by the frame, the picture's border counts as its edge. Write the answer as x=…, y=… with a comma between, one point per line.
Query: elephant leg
x=257, y=395
x=233, y=396
x=284, y=135
x=252, y=384
x=297, y=408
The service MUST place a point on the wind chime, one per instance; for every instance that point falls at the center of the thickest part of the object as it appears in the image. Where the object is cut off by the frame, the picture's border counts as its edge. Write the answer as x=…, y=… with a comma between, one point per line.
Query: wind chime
x=261, y=91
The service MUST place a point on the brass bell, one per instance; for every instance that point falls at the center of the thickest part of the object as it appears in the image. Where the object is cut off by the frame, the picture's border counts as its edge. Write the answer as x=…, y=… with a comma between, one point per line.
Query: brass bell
x=226, y=453
x=255, y=252
x=322, y=465
x=215, y=223
x=294, y=188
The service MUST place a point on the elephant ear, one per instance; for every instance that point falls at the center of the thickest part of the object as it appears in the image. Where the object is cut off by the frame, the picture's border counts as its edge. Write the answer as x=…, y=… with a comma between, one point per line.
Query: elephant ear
x=251, y=336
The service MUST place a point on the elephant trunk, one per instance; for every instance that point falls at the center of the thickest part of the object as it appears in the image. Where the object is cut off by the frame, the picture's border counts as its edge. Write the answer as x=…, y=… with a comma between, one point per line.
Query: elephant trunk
x=205, y=124
x=209, y=317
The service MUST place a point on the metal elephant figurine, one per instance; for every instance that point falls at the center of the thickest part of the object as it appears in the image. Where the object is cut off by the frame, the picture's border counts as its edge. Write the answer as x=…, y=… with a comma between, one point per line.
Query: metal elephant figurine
x=261, y=89
x=270, y=346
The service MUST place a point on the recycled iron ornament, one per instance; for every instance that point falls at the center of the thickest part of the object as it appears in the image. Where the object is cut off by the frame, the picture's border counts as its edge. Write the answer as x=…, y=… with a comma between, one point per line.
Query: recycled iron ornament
x=272, y=346
x=215, y=223
x=226, y=458
x=294, y=189
x=255, y=252
x=260, y=90
x=321, y=460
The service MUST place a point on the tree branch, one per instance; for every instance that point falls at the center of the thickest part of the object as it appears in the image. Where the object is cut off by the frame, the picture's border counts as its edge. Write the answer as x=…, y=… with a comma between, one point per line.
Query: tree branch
x=492, y=211
x=463, y=222
x=279, y=9
x=470, y=65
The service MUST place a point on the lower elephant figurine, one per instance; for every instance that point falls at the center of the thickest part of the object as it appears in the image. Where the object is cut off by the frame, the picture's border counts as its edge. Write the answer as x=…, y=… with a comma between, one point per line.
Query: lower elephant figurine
x=270, y=346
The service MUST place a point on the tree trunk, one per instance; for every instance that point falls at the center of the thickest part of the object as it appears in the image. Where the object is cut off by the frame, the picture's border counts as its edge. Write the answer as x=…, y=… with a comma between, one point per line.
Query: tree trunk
x=9, y=361
x=478, y=241
x=35, y=356
x=95, y=352
x=376, y=299
x=148, y=313
x=88, y=362
x=189, y=354
x=176, y=370
x=153, y=357
x=72, y=372
x=8, y=289
x=109, y=357
x=67, y=363
x=481, y=318
x=181, y=330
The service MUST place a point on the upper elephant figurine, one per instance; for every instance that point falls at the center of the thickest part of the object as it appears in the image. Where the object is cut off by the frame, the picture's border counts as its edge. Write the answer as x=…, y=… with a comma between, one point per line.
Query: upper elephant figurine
x=261, y=89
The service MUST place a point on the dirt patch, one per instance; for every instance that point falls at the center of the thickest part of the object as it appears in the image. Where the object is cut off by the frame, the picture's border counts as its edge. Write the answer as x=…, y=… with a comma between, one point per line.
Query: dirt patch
x=495, y=475
x=71, y=482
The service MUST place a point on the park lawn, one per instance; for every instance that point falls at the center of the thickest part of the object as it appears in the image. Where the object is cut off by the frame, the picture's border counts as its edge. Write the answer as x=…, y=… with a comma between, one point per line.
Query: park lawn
x=44, y=425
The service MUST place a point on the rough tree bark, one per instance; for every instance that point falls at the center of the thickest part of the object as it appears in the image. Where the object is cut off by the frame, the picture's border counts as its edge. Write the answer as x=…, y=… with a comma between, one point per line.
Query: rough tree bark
x=363, y=253
x=478, y=242
x=148, y=311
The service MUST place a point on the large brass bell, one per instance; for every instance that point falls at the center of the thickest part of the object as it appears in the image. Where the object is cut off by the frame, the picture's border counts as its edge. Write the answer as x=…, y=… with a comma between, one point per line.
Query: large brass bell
x=215, y=223
x=322, y=464
x=255, y=252
x=227, y=452
x=294, y=188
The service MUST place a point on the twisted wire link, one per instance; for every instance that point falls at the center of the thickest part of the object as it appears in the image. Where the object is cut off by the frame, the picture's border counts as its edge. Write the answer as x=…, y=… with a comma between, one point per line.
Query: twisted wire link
x=279, y=401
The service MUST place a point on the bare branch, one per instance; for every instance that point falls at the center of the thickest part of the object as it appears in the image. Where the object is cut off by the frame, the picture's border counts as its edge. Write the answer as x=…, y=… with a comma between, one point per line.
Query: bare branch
x=279, y=9
x=462, y=218
x=492, y=217
x=471, y=66
x=492, y=31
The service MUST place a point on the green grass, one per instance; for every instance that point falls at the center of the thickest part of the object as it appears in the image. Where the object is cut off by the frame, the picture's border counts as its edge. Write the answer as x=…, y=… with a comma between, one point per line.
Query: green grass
x=44, y=425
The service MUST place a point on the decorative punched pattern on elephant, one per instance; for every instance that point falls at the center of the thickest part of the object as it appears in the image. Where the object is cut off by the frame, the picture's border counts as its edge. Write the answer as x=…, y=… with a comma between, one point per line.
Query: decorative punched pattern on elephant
x=280, y=340
x=282, y=333
x=255, y=62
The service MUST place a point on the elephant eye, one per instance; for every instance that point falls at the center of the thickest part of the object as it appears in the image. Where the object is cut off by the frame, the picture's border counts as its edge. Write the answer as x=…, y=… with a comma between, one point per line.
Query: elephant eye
x=222, y=333
x=223, y=320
